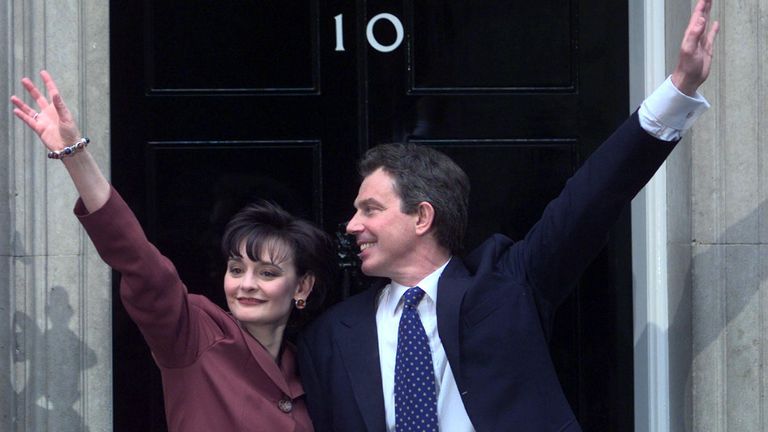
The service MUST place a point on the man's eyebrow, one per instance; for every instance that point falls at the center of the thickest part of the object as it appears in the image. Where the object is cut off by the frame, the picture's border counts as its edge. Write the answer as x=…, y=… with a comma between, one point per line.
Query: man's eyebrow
x=367, y=201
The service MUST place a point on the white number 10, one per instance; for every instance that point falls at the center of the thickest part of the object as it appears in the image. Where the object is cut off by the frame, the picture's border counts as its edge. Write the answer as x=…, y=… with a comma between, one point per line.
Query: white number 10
x=369, y=32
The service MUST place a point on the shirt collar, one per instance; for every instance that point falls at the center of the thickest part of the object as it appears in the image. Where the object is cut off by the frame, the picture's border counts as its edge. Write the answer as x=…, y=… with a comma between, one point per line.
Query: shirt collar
x=393, y=293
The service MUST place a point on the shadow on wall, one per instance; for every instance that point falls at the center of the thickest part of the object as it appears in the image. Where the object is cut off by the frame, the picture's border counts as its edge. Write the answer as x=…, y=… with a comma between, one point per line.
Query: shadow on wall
x=52, y=384
x=734, y=272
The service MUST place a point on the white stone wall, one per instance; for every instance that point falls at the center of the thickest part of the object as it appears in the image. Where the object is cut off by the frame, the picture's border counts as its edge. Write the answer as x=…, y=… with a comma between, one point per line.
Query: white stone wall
x=55, y=295
x=6, y=341
x=730, y=229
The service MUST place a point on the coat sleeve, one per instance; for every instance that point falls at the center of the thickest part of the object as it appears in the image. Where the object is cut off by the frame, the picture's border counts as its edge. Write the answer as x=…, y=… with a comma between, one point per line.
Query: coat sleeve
x=575, y=225
x=150, y=287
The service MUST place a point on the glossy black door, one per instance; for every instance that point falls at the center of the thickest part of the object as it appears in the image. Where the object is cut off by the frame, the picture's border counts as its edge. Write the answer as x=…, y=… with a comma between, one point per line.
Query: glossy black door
x=215, y=103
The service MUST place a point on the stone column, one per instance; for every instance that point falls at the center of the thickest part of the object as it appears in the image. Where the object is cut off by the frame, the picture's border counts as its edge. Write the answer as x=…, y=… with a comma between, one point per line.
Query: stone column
x=55, y=293
x=730, y=229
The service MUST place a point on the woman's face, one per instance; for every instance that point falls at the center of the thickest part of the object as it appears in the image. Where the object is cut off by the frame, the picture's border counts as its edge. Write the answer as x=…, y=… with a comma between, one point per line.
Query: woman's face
x=260, y=294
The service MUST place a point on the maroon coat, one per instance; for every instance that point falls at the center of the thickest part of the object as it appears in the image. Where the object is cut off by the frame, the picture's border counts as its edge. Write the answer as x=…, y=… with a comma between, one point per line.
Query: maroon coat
x=216, y=376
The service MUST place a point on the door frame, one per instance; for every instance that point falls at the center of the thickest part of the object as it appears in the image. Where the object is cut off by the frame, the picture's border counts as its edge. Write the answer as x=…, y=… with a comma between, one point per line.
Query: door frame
x=649, y=234
x=657, y=399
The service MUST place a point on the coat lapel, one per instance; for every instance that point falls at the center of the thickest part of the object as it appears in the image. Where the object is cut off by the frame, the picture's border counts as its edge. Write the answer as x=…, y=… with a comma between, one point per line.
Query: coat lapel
x=268, y=365
x=451, y=287
x=290, y=370
x=359, y=347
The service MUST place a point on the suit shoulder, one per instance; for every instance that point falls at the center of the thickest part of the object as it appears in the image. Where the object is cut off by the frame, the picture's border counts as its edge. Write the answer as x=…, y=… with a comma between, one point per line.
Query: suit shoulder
x=485, y=257
x=357, y=307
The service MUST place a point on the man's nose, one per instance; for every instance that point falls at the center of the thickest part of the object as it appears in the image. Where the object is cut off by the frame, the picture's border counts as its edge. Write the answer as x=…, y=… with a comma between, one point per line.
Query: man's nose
x=354, y=226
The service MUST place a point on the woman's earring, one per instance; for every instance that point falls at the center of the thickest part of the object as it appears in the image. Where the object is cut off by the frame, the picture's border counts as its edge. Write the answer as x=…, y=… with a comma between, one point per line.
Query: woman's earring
x=300, y=303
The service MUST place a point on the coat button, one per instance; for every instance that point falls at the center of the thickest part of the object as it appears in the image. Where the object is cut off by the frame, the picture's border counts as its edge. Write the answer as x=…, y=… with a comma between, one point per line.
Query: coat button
x=285, y=405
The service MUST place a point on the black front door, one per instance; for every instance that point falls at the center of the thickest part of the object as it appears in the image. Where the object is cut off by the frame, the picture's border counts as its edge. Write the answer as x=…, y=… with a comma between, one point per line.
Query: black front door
x=215, y=103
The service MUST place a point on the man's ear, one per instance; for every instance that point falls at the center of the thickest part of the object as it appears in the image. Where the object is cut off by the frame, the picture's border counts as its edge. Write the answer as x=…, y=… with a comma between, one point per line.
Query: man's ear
x=426, y=216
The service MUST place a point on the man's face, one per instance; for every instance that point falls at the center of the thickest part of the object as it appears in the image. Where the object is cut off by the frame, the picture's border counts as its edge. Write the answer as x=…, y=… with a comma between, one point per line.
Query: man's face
x=385, y=235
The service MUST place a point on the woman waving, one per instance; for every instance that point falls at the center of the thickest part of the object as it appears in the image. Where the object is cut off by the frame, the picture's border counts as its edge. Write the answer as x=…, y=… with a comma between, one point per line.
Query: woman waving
x=230, y=371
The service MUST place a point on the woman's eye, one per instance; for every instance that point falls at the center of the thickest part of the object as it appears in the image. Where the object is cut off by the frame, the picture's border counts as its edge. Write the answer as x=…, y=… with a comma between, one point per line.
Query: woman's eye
x=235, y=270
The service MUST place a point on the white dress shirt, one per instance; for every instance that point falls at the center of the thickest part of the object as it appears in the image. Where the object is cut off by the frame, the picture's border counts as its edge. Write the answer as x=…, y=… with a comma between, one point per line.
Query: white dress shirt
x=666, y=114
x=451, y=415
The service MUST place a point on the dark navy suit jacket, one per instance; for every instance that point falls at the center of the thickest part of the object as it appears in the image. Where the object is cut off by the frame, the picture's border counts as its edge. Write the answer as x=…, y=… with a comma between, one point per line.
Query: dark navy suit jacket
x=494, y=309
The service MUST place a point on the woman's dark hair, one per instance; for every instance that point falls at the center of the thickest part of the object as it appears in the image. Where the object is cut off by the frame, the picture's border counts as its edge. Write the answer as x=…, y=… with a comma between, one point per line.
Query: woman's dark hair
x=265, y=229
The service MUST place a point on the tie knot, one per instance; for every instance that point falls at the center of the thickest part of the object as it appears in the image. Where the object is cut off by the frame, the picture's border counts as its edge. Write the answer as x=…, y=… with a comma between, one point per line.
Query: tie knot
x=412, y=297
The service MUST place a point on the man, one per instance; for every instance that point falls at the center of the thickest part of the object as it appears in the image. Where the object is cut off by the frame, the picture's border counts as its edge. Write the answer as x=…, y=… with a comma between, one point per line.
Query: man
x=480, y=325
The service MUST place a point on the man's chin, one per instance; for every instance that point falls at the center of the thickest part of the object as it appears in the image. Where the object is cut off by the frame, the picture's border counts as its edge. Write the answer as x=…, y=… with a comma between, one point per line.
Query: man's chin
x=371, y=271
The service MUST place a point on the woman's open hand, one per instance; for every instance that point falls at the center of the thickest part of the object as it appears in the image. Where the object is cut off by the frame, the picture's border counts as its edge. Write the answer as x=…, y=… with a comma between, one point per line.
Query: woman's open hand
x=53, y=123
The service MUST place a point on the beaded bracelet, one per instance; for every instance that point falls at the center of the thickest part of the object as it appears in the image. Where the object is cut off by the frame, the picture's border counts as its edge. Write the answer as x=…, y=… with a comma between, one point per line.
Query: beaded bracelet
x=69, y=151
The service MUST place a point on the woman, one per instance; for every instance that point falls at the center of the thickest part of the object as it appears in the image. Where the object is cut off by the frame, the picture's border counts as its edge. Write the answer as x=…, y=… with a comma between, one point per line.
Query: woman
x=221, y=371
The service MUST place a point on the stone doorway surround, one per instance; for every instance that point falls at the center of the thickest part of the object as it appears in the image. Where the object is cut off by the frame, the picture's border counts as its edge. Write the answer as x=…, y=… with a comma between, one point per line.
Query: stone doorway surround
x=55, y=293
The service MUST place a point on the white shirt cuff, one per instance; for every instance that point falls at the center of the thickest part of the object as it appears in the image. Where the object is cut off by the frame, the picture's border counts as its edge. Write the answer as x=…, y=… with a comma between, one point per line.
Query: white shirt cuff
x=667, y=113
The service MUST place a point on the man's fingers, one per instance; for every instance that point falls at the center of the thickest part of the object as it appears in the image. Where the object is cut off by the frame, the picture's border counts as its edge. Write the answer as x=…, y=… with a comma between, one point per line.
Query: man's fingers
x=694, y=34
x=706, y=7
x=698, y=11
x=702, y=7
x=699, y=18
x=711, y=37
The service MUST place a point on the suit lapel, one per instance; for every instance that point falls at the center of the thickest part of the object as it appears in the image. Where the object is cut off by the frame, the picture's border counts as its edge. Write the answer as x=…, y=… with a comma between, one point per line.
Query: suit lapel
x=359, y=347
x=452, y=286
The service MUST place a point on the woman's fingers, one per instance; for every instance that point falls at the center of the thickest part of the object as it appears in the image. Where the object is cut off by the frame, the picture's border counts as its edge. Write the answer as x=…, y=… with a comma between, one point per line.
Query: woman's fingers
x=53, y=123
x=22, y=106
x=28, y=119
x=23, y=111
x=49, y=83
x=42, y=102
x=61, y=109
x=53, y=93
x=27, y=114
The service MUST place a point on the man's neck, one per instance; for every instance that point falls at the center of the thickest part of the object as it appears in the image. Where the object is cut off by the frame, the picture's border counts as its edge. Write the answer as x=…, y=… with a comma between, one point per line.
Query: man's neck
x=421, y=267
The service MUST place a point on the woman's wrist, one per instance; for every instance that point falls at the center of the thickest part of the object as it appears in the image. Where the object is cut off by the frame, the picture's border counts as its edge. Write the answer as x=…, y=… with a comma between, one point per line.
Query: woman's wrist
x=69, y=151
